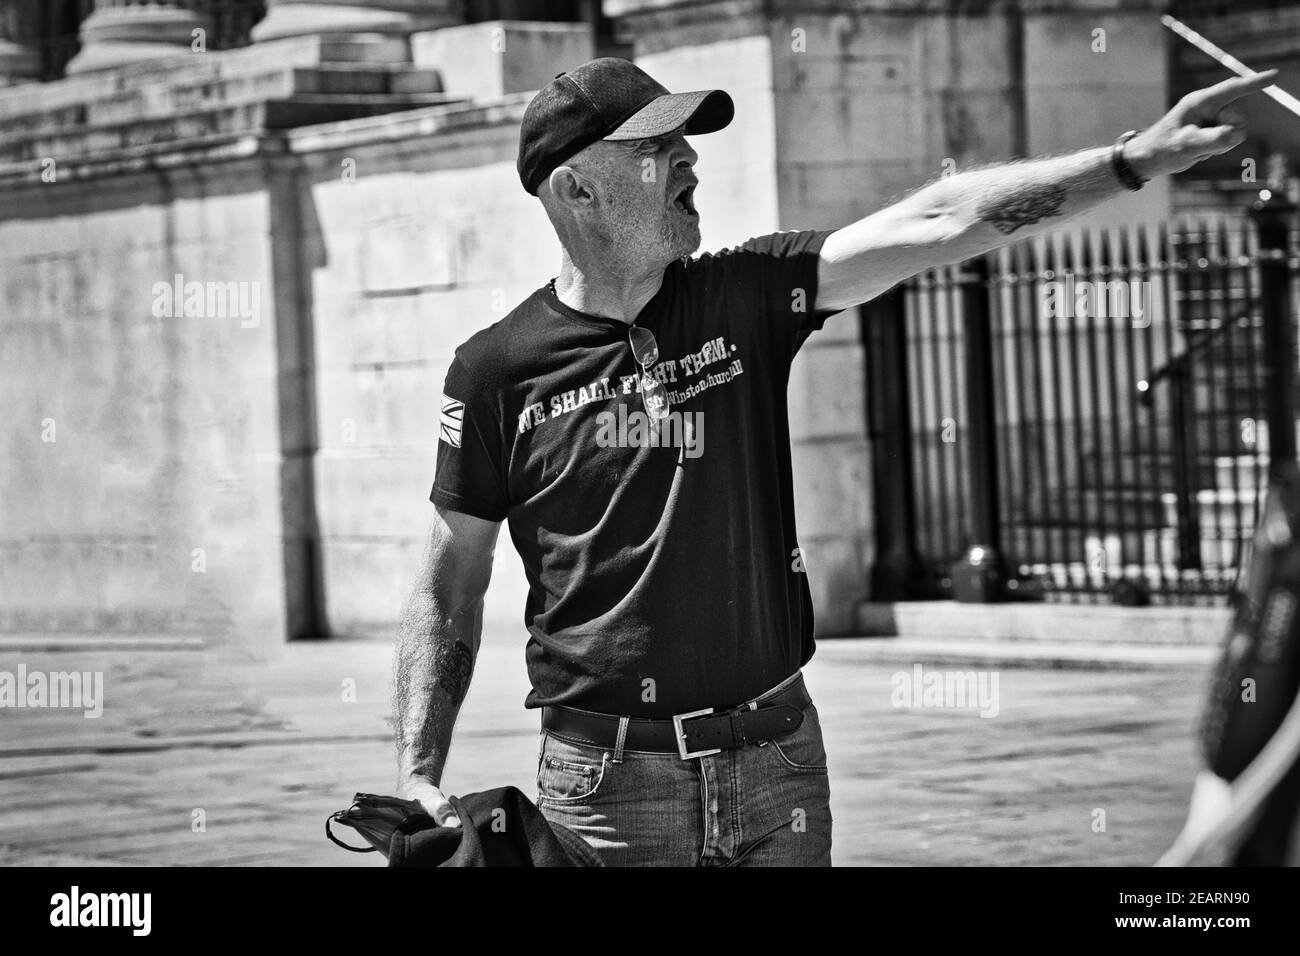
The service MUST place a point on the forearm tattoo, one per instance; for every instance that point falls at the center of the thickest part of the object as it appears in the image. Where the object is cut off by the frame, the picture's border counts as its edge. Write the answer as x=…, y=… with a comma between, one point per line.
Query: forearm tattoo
x=452, y=666
x=1009, y=211
x=432, y=672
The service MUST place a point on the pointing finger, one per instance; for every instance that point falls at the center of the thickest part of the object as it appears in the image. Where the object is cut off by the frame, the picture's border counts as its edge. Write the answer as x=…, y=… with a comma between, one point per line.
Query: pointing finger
x=1214, y=98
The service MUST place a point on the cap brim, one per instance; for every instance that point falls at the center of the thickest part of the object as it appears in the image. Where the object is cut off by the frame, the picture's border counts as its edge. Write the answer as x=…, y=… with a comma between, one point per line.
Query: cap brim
x=703, y=111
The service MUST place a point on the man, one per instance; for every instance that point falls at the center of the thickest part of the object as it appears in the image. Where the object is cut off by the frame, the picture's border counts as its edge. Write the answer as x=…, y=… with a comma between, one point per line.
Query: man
x=668, y=611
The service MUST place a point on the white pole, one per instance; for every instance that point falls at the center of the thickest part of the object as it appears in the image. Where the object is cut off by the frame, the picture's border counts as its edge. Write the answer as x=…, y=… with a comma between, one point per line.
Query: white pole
x=1229, y=61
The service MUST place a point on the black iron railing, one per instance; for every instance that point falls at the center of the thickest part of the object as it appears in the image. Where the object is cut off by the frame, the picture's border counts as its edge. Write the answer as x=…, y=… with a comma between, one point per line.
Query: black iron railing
x=1098, y=409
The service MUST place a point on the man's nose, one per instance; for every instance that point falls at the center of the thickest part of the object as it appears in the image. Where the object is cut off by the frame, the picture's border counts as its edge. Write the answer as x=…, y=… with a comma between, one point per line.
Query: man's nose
x=683, y=155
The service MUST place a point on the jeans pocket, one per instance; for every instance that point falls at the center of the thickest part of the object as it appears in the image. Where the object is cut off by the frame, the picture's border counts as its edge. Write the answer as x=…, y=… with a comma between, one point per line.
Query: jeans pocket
x=803, y=750
x=569, y=773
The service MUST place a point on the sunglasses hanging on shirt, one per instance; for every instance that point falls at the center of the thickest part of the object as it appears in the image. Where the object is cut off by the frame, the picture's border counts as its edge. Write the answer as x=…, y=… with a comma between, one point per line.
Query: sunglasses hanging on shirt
x=646, y=352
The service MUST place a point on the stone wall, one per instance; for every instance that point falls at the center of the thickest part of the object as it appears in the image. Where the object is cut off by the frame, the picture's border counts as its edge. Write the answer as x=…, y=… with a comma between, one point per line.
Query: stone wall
x=141, y=485
x=224, y=476
x=870, y=105
x=1089, y=76
x=433, y=240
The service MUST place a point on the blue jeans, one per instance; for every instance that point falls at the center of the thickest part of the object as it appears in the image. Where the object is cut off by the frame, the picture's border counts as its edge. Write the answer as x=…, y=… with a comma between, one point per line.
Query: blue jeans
x=765, y=804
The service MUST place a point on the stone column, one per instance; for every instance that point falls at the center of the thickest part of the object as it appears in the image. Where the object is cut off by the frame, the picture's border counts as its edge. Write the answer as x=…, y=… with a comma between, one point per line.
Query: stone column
x=119, y=32
x=292, y=18
x=20, y=60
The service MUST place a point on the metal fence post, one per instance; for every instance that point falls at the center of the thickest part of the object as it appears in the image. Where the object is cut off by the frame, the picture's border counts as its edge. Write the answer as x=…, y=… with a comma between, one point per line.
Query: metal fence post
x=1274, y=219
x=889, y=418
x=1183, y=446
x=977, y=326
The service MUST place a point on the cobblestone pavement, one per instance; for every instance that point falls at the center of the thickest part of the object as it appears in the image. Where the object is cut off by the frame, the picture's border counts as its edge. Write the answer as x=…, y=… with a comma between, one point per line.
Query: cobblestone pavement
x=267, y=751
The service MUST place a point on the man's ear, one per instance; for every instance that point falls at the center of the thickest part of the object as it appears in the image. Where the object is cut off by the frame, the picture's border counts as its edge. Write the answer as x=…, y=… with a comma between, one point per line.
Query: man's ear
x=572, y=189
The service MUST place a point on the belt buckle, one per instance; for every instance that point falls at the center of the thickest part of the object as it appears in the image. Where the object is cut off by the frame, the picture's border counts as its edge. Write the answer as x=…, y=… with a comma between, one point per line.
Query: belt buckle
x=681, y=735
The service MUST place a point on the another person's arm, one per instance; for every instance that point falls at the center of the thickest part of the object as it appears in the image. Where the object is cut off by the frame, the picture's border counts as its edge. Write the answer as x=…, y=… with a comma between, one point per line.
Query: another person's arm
x=437, y=644
x=974, y=212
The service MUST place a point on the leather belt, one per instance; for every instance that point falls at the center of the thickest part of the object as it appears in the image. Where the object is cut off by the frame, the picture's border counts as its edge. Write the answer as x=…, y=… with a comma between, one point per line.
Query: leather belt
x=698, y=733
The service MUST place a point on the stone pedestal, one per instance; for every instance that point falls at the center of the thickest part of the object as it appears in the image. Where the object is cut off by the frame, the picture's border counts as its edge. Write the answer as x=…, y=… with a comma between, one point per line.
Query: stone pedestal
x=120, y=32
x=20, y=60
x=292, y=18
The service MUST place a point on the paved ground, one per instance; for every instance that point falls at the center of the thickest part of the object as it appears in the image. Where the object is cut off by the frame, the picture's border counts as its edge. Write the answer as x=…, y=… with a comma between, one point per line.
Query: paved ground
x=265, y=752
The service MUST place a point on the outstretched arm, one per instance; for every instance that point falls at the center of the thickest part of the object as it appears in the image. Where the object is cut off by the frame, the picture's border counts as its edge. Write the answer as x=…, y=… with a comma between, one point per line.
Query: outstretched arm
x=437, y=643
x=977, y=211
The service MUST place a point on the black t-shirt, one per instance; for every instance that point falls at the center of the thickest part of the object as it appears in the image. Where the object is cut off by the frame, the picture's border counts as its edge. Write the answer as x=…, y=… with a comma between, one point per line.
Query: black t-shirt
x=662, y=562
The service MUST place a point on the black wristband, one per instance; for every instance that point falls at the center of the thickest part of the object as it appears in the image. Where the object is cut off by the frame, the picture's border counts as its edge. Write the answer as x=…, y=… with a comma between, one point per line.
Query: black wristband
x=1125, y=173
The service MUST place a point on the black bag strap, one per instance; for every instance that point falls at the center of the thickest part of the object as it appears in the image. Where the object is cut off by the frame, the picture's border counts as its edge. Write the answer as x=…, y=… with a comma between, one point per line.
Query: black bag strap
x=338, y=815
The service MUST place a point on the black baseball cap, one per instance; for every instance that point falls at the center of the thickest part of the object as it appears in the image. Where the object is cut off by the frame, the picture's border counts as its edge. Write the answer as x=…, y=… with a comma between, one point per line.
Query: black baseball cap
x=612, y=99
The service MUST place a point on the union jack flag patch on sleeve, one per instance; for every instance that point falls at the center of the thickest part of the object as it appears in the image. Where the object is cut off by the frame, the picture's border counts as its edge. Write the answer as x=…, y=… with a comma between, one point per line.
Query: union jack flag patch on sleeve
x=449, y=423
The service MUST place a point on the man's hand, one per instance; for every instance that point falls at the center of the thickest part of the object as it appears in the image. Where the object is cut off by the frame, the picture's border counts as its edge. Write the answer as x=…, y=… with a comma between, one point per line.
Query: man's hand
x=1202, y=124
x=431, y=798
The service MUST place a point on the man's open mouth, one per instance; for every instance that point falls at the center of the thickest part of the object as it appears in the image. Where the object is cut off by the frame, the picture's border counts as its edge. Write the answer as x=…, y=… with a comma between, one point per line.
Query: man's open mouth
x=685, y=201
